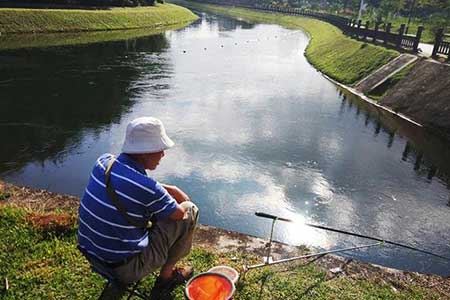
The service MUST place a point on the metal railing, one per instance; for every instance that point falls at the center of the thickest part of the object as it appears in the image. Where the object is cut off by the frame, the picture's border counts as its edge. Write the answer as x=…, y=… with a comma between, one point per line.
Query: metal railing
x=441, y=46
x=398, y=40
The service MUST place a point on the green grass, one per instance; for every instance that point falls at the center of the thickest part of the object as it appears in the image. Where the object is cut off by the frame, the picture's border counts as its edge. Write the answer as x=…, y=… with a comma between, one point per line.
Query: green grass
x=379, y=92
x=59, y=20
x=45, y=264
x=330, y=51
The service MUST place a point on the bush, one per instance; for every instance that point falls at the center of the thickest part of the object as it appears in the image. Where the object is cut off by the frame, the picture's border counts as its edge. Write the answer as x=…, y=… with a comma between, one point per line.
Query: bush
x=437, y=22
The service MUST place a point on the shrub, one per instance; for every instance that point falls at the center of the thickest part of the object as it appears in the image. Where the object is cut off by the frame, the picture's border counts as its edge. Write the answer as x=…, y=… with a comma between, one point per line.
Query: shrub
x=437, y=22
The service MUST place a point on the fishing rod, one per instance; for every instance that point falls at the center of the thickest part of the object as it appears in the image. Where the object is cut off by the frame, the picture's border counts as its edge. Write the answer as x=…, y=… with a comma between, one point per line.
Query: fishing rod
x=267, y=260
x=275, y=218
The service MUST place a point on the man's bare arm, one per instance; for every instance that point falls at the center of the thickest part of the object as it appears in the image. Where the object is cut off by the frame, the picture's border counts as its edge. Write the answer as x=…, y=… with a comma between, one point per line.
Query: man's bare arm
x=180, y=197
x=176, y=193
x=178, y=214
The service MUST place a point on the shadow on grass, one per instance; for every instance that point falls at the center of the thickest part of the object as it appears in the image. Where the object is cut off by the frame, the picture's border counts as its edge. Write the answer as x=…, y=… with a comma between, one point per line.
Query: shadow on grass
x=289, y=271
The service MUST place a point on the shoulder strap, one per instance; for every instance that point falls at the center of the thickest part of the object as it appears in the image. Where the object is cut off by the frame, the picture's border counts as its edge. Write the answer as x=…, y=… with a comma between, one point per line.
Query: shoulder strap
x=115, y=199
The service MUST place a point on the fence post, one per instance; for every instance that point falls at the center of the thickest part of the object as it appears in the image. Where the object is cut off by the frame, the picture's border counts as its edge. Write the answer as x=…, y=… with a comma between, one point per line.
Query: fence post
x=366, y=30
x=417, y=40
x=437, y=41
x=359, y=29
x=375, y=34
x=349, y=26
x=400, y=36
x=387, y=33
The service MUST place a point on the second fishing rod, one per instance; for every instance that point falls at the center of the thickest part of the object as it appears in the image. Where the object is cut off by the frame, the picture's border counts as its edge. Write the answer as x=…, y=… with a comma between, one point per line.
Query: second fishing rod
x=275, y=218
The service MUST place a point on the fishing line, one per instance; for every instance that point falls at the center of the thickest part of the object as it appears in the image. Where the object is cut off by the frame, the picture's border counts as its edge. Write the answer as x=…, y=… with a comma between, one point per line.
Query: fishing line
x=265, y=215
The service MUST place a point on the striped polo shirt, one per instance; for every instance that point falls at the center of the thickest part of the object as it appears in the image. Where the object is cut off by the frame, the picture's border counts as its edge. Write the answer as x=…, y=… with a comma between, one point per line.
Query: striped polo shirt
x=103, y=232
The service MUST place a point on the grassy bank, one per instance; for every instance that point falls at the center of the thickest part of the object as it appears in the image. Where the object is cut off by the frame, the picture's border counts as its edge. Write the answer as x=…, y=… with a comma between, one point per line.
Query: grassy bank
x=59, y=20
x=40, y=261
x=330, y=51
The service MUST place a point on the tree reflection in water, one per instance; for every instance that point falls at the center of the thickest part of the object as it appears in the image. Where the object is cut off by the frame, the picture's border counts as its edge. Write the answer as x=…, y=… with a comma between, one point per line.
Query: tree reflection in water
x=73, y=89
x=425, y=150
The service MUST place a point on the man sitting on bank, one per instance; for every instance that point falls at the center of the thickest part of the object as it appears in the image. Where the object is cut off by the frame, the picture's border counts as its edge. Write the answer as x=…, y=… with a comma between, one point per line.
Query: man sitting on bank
x=119, y=204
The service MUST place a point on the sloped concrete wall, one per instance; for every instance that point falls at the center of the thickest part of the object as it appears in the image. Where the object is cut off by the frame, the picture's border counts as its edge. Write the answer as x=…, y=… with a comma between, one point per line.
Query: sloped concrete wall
x=423, y=95
x=385, y=72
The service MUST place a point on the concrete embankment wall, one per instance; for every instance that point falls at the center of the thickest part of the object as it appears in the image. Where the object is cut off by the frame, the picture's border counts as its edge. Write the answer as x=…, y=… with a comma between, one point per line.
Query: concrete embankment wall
x=423, y=95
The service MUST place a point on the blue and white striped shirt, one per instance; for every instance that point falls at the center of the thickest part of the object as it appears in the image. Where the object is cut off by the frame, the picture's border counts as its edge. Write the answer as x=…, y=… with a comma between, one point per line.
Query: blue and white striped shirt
x=103, y=232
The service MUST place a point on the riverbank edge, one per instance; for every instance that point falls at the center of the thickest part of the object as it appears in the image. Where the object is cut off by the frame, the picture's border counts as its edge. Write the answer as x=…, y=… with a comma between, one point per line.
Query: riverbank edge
x=220, y=242
x=372, y=102
x=26, y=21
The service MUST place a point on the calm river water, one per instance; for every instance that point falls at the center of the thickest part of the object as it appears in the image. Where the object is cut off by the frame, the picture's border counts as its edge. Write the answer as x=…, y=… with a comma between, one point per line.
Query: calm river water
x=256, y=129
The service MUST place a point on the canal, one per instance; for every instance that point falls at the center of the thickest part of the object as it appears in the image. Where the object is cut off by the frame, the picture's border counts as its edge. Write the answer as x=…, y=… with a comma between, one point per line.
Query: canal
x=256, y=129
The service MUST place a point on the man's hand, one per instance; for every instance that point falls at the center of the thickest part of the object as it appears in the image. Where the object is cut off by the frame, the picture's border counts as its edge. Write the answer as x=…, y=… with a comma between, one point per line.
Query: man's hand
x=176, y=193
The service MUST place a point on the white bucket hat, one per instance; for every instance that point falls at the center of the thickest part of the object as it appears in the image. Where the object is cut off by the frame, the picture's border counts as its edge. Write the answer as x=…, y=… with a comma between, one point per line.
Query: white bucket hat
x=146, y=135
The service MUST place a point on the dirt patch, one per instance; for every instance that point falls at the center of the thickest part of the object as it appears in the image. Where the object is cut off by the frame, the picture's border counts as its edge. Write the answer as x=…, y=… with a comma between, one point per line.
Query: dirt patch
x=38, y=201
x=52, y=223
x=424, y=95
x=221, y=240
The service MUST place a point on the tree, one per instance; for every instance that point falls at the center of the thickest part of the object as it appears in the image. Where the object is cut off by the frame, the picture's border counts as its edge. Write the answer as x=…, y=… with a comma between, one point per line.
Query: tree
x=445, y=6
x=388, y=8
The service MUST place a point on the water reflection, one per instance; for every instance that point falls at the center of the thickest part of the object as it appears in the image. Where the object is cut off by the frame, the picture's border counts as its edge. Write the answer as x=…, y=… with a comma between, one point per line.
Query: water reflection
x=422, y=149
x=49, y=97
x=256, y=129
x=219, y=23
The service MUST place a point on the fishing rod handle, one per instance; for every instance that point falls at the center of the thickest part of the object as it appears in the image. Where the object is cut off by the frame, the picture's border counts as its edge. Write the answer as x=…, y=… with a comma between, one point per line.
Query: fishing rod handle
x=269, y=216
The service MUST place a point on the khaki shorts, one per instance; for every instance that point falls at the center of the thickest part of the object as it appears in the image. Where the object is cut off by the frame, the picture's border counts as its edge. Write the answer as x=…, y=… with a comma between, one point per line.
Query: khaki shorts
x=169, y=242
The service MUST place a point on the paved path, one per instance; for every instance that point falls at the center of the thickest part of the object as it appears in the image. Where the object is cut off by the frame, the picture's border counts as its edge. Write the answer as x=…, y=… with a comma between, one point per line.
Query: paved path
x=427, y=49
x=383, y=73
